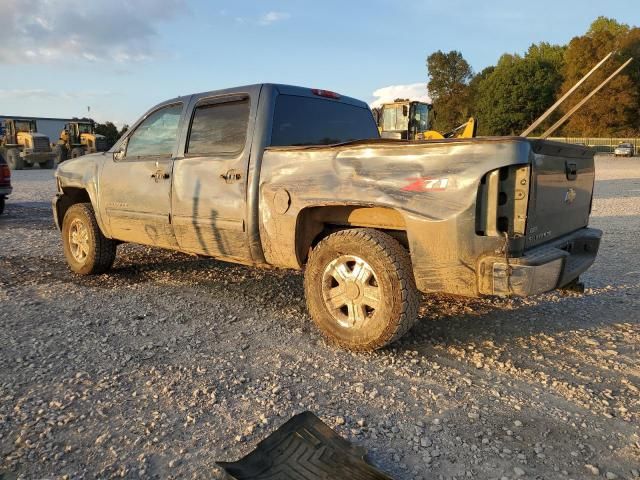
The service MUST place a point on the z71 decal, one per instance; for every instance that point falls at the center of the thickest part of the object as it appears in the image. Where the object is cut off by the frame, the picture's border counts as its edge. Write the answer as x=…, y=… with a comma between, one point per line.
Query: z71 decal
x=426, y=184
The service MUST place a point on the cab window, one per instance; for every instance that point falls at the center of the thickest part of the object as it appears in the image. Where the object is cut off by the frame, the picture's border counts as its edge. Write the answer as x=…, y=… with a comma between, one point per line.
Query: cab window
x=219, y=128
x=157, y=134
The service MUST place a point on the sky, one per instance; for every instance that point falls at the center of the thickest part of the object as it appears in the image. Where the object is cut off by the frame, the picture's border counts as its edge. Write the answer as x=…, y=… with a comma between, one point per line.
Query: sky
x=121, y=57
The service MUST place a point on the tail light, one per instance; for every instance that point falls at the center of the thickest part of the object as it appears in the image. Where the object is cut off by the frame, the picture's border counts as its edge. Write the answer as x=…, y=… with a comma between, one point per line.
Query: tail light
x=502, y=201
x=325, y=93
x=5, y=174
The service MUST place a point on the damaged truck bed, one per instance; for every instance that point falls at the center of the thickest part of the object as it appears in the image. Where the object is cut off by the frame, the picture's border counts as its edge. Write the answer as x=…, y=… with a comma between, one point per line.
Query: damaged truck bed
x=274, y=175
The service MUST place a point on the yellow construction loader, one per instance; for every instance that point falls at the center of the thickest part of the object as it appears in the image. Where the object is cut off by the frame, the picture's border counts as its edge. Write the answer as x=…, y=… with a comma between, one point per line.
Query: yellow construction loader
x=409, y=120
x=78, y=138
x=22, y=146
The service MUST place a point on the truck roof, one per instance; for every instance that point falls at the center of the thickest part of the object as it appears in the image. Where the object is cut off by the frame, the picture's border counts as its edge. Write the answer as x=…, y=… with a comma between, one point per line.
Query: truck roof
x=280, y=88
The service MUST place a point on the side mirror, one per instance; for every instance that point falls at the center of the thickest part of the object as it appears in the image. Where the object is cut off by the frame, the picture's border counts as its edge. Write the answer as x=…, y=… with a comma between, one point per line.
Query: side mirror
x=118, y=155
x=122, y=149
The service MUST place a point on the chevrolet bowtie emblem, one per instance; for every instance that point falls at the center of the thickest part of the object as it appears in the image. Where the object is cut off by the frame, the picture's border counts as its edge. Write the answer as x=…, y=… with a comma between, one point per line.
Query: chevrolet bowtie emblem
x=570, y=196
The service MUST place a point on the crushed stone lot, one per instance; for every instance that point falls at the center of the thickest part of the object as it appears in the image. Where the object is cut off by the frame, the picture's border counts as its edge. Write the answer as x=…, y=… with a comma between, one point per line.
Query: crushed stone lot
x=170, y=363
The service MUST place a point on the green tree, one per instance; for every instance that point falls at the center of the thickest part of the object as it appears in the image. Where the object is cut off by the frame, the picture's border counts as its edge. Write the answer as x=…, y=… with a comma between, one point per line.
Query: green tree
x=511, y=96
x=449, y=77
x=548, y=52
x=110, y=131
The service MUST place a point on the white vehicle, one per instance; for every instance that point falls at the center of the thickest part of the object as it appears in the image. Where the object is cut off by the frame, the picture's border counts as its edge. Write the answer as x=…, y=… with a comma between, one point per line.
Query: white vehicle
x=623, y=150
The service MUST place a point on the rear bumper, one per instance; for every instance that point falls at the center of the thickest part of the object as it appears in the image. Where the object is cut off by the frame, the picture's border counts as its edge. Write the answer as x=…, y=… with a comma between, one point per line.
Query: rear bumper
x=540, y=269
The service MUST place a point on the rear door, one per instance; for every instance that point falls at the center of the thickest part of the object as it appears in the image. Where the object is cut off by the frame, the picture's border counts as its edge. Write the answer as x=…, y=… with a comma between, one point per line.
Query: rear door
x=562, y=180
x=209, y=211
x=135, y=185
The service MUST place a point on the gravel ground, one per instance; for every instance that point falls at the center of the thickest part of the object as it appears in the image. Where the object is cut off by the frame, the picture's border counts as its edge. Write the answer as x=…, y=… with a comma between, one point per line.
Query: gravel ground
x=170, y=363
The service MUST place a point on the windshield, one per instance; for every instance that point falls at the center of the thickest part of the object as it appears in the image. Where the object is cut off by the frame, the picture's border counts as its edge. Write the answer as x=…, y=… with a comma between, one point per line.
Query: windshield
x=85, y=128
x=625, y=145
x=395, y=117
x=25, y=126
x=317, y=121
x=421, y=117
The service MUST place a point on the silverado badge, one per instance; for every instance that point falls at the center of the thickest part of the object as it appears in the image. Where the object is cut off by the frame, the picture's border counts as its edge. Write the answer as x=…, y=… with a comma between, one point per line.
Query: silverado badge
x=570, y=196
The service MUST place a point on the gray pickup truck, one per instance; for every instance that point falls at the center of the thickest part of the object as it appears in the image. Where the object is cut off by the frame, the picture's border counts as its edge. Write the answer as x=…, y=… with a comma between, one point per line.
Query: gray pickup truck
x=291, y=177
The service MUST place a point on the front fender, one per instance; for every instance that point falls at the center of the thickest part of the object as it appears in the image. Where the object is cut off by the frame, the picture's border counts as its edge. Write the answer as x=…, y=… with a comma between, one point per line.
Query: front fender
x=78, y=175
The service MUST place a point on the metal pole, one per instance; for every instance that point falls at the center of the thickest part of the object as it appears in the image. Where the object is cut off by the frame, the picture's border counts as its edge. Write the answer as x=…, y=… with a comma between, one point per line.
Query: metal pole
x=559, y=123
x=551, y=109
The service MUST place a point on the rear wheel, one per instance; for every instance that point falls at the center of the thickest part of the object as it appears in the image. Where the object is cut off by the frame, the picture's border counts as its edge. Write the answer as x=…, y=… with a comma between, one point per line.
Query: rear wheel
x=86, y=249
x=2, y=201
x=360, y=289
x=14, y=160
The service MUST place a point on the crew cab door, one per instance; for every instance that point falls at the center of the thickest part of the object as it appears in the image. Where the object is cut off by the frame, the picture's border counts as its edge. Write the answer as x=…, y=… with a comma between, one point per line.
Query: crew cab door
x=135, y=185
x=210, y=179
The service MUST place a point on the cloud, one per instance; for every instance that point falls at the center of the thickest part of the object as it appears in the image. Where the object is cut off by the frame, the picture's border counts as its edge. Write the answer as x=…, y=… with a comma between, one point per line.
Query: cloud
x=49, y=31
x=273, y=17
x=39, y=93
x=412, y=91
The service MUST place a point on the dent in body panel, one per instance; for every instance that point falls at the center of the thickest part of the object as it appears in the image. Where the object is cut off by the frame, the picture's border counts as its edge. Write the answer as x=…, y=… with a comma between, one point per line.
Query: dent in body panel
x=137, y=204
x=440, y=222
x=83, y=173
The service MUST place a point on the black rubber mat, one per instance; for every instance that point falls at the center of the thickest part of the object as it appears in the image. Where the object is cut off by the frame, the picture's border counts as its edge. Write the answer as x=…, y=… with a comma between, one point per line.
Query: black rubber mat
x=304, y=448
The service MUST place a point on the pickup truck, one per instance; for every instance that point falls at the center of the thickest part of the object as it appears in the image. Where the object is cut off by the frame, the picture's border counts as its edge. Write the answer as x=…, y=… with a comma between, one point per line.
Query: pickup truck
x=281, y=176
x=5, y=183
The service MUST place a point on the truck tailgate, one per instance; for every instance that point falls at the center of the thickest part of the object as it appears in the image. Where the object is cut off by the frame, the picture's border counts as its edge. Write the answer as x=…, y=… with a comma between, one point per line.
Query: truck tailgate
x=562, y=177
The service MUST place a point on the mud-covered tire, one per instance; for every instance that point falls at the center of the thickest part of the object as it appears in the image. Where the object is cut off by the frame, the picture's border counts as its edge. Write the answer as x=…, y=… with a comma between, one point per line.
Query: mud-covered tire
x=387, y=262
x=14, y=160
x=86, y=249
x=77, y=152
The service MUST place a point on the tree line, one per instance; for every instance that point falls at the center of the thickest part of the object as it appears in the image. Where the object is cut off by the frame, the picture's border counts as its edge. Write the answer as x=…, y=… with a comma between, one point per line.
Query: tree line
x=110, y=131
x=507, y=97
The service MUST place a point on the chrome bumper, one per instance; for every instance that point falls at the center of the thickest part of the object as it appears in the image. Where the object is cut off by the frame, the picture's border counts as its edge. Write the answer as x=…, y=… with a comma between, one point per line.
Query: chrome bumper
x=540, y=269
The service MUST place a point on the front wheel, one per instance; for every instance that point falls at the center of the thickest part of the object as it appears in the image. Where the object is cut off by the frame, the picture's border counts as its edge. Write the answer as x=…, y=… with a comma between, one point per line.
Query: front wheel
x=360, y=289
x=61, y=154
x=49, y=164
x=86, y=249
x=77, y=152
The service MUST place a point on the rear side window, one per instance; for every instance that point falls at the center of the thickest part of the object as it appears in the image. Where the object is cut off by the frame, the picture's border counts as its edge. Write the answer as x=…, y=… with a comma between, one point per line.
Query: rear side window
x=219, y=128
x=317, y=121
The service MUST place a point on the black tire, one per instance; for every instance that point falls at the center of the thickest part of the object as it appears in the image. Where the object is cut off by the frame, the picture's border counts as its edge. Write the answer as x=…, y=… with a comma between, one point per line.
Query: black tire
x=49, y=164
x=389, y=274
x=2, y=202
x=77, y=152
x=61, y=154
x=100, y=251
x=14, y=160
